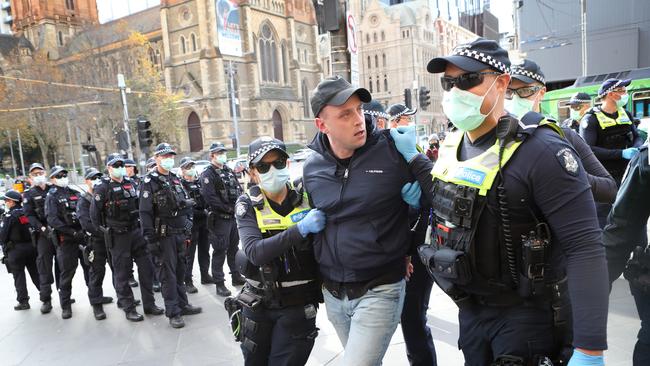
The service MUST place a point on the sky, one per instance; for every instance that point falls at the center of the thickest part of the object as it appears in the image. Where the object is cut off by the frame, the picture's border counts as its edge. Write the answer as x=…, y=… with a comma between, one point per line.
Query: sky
x=112, y=9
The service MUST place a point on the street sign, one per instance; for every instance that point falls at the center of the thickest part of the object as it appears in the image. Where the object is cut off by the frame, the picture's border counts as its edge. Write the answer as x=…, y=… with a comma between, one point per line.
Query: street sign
x=351, y=26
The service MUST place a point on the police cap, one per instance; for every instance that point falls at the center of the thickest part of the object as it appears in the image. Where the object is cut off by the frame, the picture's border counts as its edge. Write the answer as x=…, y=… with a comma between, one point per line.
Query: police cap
x=579, y=98
x=92, y=173
x=610, y=84
x=528, y=71
x=376, y=109
x=164, y=149
x=129, y=162
x=151, y=162
x=395, y=111
x=216, y=147
x=113, y=158
x=12, y=195
x=474, y=56
x=56, y=170
x=186, y=162
x=262, y=145
x=35, y=166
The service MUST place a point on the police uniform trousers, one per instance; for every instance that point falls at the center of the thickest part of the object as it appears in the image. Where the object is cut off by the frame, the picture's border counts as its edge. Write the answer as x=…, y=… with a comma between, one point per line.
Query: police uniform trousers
x=641, y=354
x=277, y=337
x=84, y=266
x=201, y=245
x=67, y=256
x=487, y=332
x=171, y=271
x=23, y=256
x=225, y=243
x=417, y=336
x=127, y=246
x=46, y=257
x=97, y=272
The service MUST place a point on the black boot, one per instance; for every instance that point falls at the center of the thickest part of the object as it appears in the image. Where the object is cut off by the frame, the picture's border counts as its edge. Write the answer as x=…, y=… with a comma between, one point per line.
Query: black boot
x=154, y=310
x=190, y=288
x=238, y=279
x=98, y=311
x=134, y=316
x=177, y=321
x=222, y=290
x=66, y=313
x=24, y=305
x=206, y=279
x=133, y=282
x=136, y=302
x=191, y=310
x=46, y=307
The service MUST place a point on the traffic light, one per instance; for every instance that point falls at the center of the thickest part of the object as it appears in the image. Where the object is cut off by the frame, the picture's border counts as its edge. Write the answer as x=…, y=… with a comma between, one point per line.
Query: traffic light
x=424, y=97
x=144, y=132
x=407, y=98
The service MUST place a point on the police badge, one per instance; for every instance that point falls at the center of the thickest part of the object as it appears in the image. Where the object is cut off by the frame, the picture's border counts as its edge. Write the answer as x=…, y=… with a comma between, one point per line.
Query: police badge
x=568, y=161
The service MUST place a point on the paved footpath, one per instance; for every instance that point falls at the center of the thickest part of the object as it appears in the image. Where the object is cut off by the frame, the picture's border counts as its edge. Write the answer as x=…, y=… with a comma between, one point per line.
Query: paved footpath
x=29, y=338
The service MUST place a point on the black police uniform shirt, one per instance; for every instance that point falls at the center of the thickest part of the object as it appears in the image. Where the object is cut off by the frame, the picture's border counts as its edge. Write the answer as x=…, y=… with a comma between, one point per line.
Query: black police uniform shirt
x=14, y=228
x=193, y=189
x=626, y=224
x=61, y=210
x=176, y=217
x=213, y=181
x=115, y=204
x=34, y=206
x=83, y=213
x=544, y=177
x=611, y=158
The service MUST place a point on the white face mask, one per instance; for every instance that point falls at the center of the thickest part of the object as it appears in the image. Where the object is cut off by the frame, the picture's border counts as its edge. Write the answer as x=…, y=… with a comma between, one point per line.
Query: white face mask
x=39, y=180
x=463, y=108
x=62, y=182
x=96, y=182
x=274, y=180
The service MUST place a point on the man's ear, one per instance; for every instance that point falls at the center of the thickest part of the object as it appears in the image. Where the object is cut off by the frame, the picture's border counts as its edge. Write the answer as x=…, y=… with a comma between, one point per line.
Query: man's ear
x=320, y=124
x=503, y=81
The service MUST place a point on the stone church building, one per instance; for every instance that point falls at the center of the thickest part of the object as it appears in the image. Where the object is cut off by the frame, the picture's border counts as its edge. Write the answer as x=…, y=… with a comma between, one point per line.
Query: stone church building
x=277, y=67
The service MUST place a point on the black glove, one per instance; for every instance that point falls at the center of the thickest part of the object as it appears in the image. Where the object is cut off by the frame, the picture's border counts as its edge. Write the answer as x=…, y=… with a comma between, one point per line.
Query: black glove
x=79, y=237
x=154, y=248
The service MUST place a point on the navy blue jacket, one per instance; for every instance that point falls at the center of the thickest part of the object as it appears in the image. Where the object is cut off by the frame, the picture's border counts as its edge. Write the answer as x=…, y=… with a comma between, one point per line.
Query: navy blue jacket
x=367, y=232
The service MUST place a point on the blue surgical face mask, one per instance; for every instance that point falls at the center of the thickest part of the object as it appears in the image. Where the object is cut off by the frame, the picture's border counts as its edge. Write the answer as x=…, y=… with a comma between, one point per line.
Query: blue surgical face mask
x=222, y=158
x=274, y=180
x=463, y=108
x=574, y=115
x=623, y=101
x=167, y=163
x=519, y=106
x=118, y=172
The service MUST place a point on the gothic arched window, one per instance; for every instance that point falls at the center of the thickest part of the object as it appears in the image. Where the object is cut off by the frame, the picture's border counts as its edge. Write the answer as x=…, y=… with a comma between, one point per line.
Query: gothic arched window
x=183, y=47
x=268, y=49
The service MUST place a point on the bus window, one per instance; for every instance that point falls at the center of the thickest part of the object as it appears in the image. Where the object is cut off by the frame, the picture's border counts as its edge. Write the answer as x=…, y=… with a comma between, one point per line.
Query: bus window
x=641, y=104
x=563, y=110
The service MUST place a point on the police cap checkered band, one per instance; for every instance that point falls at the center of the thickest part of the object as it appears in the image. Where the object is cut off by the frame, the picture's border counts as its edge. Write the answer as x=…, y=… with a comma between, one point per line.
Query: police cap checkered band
x=518, y=70
x=397, y=110
x=164, y=149
x=260, y=146
x=580, y=98
x=473, y=57
x=610, y=84
x=377, y=114
x=484, y=58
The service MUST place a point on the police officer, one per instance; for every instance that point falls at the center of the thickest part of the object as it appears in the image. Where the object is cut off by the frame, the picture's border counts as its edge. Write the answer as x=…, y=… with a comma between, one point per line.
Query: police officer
x=34, y=206
x=625, y=233
x=579, y=104
x=132, y=171
x=376, y=110
x=400, y=115
x=610, y=131
x=166, y=219
x=114, y=210
x=523, y=97
x=94, y=253
x=65, y=231
x=18, y=250
x=151, y=165
x=494, y=211
x=199, y=239
x=282, y=288
x=220, y=189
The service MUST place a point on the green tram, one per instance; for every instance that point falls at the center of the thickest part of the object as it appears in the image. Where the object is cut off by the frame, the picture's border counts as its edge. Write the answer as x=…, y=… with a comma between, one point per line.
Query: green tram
x=555, y=102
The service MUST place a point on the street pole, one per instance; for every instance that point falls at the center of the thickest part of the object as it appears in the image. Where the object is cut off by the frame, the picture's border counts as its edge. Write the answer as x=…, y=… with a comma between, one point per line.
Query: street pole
x=583, y=31
x=81, y=152
x=74, y=165
x=233, y=105
x=339, y=45
x=11, y=148
x=122, y=85
x=20, y=151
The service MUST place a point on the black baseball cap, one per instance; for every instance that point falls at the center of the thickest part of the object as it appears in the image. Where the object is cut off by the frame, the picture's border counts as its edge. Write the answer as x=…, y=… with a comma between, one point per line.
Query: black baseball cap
x=397, y=110
x=611, y=84
x=528, y=71
x=335, y=90
x=579, y=98
x=474, y=56
x=35, y=166
x=262, y=145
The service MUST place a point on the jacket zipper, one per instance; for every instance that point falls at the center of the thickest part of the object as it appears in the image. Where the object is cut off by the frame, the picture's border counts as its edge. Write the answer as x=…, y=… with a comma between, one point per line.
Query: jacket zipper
x=344, y=182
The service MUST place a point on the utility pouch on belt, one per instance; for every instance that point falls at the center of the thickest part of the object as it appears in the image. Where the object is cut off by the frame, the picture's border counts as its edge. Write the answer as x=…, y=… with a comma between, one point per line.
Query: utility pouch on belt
x=249, y=299
x=108, y=236
x=233, y=307
x=452, y=265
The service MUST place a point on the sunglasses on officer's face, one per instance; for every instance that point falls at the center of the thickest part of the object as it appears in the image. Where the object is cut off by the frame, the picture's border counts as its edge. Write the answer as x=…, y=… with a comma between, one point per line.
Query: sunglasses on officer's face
x=523, y=92
x=465, y=81
x=118, y=165
x=62, y=175
x=263, y=167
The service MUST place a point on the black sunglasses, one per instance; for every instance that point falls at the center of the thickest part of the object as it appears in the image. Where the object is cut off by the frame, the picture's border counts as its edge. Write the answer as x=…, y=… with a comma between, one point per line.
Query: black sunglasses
x=263, y=167
x=523, y=92
x=61, y=175
x=465, y=81
x=118, y=165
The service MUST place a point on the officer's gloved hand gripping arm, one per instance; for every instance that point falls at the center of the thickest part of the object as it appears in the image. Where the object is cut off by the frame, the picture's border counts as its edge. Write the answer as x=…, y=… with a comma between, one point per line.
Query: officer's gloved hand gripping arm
x=260, y=250
x=626, y=223
x=419, y=164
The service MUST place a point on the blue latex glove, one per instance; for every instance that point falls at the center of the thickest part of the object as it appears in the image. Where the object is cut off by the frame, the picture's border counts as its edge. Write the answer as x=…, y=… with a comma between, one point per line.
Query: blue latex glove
x=404, y=137
x=582, y=359
x=411, y=194
x=630, y=152
x=312, y=223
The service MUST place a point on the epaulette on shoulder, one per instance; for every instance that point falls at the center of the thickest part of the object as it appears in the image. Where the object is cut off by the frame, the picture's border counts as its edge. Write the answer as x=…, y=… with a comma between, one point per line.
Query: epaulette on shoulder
x=256, y=196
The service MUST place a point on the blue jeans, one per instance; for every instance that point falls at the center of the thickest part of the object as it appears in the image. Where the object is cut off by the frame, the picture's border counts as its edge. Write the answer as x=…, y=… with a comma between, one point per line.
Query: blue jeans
x=366, y=325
